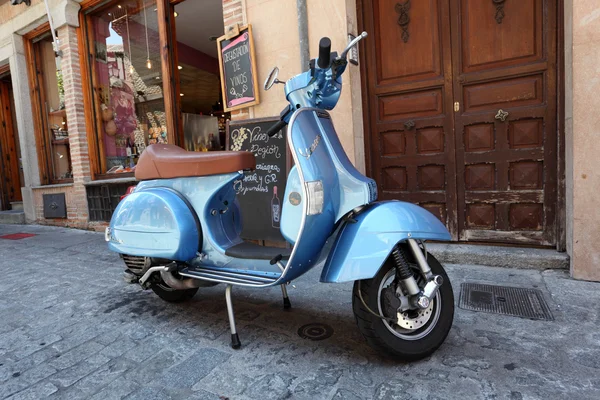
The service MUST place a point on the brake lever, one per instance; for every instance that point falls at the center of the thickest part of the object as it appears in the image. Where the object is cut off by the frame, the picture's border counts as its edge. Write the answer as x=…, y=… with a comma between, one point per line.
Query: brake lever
x=353, y=43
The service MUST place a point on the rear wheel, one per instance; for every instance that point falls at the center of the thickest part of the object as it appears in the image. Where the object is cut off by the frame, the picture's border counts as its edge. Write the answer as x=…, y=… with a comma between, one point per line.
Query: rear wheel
x=413, y=334
x=171, y=295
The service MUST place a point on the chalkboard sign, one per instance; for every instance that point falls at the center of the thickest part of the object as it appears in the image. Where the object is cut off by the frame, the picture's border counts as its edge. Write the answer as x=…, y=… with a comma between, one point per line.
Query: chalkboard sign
x=261, y=192
x=238, y=70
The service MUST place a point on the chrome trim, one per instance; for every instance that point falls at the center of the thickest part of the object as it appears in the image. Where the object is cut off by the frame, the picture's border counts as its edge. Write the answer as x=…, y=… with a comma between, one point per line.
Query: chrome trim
x=232, y=274
x=179, y=284
x=150, y=271
x=225, y=277
x=230, y=309
x=432, y=286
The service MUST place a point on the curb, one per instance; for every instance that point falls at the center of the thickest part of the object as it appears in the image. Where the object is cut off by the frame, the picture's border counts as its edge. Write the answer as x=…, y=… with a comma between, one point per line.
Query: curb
x=499, y=256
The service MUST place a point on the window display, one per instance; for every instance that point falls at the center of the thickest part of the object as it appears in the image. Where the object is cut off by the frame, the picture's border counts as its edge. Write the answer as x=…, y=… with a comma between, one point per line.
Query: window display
x=127, y=83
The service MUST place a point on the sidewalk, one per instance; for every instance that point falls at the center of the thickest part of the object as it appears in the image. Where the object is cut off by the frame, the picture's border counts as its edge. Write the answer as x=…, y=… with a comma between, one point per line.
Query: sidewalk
x=72, y=328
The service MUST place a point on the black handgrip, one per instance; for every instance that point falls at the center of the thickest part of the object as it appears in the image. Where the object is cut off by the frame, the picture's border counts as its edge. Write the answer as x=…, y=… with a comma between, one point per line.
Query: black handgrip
x=276, y=128
x=324, y=53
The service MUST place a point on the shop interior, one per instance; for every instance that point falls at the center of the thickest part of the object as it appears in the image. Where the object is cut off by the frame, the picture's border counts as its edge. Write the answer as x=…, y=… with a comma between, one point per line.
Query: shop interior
x=128, y=80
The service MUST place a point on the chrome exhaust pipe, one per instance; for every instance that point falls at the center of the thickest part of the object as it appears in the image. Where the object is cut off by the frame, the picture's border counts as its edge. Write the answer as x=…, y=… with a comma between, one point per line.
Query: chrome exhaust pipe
x=179, y=284
x=168, y=277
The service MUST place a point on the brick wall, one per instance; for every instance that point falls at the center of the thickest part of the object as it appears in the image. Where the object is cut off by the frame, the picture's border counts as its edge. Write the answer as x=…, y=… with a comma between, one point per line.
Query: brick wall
x=76, y=199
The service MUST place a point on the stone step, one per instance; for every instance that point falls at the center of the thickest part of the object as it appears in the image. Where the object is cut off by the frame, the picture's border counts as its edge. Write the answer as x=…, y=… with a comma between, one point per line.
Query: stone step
x=16, y=205
x=499, y=256
x=12, y=217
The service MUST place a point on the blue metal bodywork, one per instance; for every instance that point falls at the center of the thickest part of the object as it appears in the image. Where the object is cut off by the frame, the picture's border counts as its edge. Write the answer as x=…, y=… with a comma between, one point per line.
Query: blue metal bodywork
x=155, y=223
x=160, y=219
x=363, y=244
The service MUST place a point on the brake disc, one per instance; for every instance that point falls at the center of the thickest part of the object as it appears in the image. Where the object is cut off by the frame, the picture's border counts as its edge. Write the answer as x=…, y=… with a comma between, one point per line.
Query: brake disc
x=414, y=319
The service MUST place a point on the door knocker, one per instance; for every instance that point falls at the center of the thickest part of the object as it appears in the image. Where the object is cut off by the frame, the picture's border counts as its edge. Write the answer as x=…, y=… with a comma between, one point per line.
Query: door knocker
x=501, y=115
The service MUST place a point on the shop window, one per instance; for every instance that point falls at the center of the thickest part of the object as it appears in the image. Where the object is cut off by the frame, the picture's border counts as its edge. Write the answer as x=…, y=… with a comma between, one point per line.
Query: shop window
x=52, y=131
x=127, y=87
x=197, y=24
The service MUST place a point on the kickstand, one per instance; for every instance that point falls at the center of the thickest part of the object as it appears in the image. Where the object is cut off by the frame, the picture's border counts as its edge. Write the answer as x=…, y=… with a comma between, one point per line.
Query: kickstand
x=235, y=339
x=286, y=300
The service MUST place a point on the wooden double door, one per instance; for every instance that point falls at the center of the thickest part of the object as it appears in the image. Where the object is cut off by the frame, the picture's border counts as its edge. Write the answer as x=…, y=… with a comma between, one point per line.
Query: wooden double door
x=461, y=108
x=10, y=182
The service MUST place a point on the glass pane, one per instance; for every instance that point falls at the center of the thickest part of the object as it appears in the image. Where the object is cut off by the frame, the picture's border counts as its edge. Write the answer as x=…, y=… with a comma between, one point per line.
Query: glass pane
x=197, y=23
x=53, y=104
x=128, y=82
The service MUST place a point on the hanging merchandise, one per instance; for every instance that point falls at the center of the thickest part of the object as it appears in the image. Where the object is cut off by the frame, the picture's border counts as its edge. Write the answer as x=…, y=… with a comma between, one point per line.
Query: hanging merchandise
x=111, y=128
x=148, y=62
x=107, y=113
x=129, y=44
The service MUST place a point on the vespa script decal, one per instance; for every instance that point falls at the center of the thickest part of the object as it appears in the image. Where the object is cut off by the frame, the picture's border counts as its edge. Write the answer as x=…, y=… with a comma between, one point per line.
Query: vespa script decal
x=308, y=151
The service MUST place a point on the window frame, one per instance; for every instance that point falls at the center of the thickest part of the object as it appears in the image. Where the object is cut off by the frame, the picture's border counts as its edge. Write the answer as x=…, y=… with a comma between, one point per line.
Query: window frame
x=38, y=97
x=165, y=12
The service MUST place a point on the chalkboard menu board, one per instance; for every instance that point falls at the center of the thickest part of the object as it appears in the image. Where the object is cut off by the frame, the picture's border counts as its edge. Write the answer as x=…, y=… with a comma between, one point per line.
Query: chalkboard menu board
x=238, y=70
x=261, y=192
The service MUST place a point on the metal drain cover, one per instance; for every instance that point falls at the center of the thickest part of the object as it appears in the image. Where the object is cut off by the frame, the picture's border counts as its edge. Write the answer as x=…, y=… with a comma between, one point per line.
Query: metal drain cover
x=505, y=300
x=315, y=331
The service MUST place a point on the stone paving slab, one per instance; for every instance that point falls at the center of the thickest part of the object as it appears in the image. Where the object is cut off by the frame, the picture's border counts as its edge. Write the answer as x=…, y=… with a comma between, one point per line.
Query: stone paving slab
x=71, y=328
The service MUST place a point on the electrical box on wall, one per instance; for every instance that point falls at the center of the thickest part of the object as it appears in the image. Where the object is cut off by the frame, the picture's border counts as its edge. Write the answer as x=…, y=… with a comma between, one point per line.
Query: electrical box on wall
x=55, y=206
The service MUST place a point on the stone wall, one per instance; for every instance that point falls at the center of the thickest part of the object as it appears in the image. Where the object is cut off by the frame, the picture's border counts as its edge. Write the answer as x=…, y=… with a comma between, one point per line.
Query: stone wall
x=583, y=139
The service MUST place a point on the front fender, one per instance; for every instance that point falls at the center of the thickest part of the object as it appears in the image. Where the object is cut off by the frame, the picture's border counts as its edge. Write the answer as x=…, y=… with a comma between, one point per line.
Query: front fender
x=362, y=247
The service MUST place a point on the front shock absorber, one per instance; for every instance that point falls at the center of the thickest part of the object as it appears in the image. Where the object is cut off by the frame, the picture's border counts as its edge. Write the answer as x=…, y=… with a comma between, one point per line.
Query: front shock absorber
x=404, y=275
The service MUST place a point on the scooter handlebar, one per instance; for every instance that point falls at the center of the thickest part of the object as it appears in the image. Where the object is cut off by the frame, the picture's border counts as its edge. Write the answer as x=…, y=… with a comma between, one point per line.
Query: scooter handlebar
x=324, y=53
x=276, y=128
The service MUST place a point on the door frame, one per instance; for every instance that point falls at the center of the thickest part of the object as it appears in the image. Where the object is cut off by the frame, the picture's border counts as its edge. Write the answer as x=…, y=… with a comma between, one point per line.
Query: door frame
x=560, y=215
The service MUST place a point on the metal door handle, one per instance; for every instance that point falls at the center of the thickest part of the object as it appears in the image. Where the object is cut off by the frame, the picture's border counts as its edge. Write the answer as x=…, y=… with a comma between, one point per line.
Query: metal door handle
x=501, y=115
x=408, y=125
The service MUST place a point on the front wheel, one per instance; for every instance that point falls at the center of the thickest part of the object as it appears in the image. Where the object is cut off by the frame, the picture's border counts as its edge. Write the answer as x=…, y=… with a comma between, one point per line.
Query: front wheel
x=414, y=334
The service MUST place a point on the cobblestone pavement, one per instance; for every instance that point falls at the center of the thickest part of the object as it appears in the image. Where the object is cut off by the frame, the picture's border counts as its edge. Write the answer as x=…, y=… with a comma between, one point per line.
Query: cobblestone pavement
x=72, y=328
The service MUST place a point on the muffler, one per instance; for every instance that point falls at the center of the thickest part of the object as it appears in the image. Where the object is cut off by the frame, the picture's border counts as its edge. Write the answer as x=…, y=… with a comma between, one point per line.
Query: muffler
x=167, y=276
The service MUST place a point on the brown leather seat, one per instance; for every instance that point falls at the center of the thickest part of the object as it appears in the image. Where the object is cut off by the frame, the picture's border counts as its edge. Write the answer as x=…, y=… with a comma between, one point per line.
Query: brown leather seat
x=163, y=161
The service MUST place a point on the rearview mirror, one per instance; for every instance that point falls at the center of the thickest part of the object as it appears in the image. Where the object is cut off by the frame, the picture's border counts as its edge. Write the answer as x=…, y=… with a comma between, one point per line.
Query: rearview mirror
x=272, y=78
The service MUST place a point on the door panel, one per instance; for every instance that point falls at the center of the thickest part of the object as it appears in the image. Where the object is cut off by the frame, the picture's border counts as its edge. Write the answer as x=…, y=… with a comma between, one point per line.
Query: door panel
x=505, y=78
x=499, y=34
x=510, y=92
x=407, y=40
x=10, y=185
x=410, y=101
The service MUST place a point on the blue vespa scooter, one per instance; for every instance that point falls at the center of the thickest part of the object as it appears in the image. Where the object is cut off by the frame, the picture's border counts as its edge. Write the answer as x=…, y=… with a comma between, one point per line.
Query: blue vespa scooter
x=180, y=228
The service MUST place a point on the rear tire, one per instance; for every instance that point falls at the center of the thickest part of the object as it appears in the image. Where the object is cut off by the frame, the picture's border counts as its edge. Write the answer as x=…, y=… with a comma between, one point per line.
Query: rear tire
x=171, y=295
x=403, y=345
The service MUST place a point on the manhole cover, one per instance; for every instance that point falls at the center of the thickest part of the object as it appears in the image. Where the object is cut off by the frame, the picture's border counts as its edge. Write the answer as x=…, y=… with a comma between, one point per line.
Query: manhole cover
x=505, y=300
x=315, y=331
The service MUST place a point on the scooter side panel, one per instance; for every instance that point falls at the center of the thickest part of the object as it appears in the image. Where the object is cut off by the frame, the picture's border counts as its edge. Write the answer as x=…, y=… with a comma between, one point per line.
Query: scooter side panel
x=362, y=247
x=314, y=163
x=154, y=223
x=355, y=188
x=293, y=207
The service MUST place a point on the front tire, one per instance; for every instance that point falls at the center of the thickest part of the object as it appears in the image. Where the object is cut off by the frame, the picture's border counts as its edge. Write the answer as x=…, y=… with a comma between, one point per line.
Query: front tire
x=171, y=295
x=391, y=339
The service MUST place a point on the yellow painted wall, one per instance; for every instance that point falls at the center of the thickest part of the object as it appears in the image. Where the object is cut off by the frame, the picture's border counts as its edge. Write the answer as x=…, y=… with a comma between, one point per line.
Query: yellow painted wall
x=276, y=40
